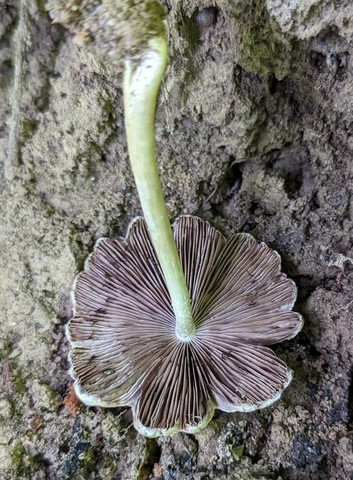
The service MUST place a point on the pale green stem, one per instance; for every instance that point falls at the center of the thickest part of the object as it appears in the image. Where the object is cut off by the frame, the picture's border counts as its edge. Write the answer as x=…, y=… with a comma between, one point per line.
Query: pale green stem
x=142, y=80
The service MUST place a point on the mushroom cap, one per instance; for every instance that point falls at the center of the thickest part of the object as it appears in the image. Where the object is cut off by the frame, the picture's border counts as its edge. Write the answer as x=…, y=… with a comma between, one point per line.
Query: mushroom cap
x=124, y=348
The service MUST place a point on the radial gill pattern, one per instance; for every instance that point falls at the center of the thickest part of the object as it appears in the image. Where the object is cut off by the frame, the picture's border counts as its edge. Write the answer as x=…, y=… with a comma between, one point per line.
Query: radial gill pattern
x=124, y=348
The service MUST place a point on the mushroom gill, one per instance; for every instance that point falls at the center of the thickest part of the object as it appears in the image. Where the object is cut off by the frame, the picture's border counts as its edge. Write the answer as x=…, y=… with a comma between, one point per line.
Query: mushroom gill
x=125, y=351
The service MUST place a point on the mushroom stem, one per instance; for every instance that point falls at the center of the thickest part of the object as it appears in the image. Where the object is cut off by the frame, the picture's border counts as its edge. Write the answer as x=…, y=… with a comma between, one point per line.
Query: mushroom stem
x=142, y=80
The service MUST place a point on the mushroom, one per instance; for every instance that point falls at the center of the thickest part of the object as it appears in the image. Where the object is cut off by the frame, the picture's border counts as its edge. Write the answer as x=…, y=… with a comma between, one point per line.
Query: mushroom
x=125, y=349
x=172, y=323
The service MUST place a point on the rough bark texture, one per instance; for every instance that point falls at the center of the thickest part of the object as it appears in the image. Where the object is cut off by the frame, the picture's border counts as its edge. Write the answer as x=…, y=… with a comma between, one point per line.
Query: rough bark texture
x=254, y=134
